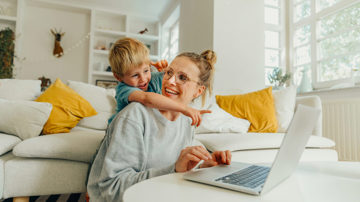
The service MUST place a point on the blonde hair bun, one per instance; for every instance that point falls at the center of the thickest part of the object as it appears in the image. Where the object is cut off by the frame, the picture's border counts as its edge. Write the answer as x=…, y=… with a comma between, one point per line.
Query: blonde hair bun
x=209, y=56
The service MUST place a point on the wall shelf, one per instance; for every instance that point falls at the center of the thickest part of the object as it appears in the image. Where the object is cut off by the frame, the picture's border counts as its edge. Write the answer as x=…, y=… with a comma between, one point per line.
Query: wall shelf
x=8, y=18
x=103, y=73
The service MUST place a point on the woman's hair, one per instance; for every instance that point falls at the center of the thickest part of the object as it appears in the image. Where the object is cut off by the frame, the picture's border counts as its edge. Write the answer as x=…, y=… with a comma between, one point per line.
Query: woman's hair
x=205, y=62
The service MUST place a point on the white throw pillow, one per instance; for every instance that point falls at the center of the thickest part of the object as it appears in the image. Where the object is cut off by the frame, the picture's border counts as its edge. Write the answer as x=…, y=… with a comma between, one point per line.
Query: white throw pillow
x=284, y=101
x=15, y=89
x=219, y=121
x=22, y=118
x=101, y=99
x=7, y=142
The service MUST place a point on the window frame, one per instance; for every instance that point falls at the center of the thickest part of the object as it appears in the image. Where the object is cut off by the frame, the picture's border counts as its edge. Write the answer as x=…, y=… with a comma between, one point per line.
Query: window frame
x=281, y=29
x=312, y=20
x=170, y=24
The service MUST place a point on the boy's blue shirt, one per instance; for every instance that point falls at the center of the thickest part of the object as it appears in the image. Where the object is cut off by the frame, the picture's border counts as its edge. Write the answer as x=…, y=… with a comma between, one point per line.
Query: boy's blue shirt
x=123, y=91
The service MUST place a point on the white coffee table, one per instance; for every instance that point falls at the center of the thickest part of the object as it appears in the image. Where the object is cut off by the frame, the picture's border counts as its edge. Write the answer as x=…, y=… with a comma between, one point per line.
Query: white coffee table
x=313, y=182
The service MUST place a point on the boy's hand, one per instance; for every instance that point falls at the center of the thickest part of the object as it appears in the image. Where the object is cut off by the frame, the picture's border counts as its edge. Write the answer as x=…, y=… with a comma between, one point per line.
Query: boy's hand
x=160, y=65
x=195, y=115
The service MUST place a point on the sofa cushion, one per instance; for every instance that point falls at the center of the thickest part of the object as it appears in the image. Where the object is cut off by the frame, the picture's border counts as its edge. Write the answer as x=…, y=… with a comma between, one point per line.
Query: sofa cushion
x=284, y=101
x=249, y=141
x=219, y=121
x=101, y=99
x=7, y=142
x=257, y=107
x=68, y=108
x=23, y=118
x=16, y=89
x=77, y=146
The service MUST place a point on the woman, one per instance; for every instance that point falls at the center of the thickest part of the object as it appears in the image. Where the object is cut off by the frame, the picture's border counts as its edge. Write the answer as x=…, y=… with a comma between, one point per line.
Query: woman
x=145, y=142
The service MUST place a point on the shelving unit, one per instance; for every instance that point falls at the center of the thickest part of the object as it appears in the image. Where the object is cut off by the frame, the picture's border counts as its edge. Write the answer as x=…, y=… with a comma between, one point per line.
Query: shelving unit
x=11, y=16
x=106, y=27
x=109, y=26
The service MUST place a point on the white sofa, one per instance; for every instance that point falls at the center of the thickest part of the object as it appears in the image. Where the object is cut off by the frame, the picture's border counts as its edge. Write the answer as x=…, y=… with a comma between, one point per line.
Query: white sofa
x=59, y=163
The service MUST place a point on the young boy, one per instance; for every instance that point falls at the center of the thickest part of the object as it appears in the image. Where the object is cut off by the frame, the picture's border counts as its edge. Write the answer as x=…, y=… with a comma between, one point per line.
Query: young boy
x=130, y=64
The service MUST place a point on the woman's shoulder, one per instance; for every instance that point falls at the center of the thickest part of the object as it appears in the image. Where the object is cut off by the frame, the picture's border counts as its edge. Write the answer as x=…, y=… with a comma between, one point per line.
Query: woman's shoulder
x=134, y=107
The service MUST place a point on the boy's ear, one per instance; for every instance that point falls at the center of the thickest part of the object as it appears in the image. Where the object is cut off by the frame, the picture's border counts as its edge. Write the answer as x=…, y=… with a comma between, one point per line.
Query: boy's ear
x=117, y=76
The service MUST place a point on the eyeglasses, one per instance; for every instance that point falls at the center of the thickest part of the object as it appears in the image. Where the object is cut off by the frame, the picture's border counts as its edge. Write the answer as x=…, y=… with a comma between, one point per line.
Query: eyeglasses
x=180, y=77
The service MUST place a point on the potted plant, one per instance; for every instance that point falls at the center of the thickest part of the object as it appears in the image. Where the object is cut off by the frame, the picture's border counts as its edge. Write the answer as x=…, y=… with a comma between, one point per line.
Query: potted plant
x=6, y=53
x=277, y=78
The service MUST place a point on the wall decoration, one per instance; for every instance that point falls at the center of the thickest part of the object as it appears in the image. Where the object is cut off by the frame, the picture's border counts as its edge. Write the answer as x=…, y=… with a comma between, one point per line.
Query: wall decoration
x=66, y=51
x=58, y=50
x=106, y=83
x=7, y=45
x=143, y=31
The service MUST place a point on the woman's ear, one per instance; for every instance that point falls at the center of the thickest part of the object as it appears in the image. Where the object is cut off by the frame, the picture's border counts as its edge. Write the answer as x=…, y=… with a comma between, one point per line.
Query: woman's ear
x=200, y=91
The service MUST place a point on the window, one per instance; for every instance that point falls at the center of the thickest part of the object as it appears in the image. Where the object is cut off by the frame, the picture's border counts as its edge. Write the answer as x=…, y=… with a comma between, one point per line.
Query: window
x=325, y=41
x=274, y=36
x=170, y=38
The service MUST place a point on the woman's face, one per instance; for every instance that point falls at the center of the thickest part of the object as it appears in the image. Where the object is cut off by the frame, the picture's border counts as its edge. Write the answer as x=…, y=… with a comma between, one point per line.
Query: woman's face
x=181, y=81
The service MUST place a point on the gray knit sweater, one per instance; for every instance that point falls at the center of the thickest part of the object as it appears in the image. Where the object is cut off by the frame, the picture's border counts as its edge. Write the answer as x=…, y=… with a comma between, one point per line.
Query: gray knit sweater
x=140, y=143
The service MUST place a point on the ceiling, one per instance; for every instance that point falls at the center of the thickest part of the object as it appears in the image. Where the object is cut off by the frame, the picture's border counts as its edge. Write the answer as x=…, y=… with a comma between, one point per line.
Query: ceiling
x=153, y=8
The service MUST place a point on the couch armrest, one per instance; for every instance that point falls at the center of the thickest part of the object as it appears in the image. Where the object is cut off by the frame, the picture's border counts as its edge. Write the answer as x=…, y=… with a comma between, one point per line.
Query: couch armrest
x=312, y=101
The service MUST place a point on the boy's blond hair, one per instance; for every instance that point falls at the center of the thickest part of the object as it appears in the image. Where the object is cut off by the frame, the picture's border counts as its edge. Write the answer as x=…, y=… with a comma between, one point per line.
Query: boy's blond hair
x=127, y=53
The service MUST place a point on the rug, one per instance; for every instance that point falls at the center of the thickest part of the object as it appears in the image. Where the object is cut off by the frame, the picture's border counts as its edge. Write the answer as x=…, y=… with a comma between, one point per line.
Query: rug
x=79, y=197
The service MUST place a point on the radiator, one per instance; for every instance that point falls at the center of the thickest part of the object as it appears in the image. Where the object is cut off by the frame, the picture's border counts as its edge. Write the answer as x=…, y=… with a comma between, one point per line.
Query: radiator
x=341, y=123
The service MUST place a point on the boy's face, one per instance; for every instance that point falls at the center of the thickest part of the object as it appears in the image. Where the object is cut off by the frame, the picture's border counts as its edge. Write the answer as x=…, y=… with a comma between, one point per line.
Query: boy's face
x=138, y=77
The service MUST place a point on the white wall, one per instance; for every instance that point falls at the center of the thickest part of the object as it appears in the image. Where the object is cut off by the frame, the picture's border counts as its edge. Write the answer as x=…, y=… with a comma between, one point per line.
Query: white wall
x=239, y=44
x=38, y=44
x=196, y=25
x=234, y=29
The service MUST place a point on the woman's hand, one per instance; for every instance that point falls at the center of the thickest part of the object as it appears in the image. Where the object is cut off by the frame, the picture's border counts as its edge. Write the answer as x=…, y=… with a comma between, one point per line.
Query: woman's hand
x=195, y=115
x=190, y=156
x=218, y=157
x=160, y=65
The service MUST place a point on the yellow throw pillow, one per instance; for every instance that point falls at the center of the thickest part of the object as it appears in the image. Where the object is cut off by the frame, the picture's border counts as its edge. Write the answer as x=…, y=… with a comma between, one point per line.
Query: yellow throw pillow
x=68, y=108
x=257, y=107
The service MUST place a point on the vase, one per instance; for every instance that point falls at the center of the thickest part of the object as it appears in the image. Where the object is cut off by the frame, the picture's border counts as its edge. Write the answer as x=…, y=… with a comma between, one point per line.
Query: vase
x=305, y=84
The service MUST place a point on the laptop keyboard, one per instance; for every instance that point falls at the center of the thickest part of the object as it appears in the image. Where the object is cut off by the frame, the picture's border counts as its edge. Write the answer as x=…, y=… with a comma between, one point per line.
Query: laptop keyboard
x=250, y=177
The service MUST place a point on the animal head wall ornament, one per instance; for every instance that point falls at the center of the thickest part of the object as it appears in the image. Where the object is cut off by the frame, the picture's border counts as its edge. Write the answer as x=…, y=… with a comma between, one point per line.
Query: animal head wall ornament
x=58, y=50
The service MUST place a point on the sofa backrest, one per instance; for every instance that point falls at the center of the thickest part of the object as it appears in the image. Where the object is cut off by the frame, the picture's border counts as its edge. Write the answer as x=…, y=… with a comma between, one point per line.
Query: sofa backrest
x=312, y=101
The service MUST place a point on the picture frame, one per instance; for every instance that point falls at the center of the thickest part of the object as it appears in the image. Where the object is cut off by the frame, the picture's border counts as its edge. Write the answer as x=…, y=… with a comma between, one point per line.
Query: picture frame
x=106, y=83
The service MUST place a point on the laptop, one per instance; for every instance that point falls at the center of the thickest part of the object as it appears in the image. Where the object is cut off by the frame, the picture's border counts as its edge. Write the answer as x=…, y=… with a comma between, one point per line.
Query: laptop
x=256, y=179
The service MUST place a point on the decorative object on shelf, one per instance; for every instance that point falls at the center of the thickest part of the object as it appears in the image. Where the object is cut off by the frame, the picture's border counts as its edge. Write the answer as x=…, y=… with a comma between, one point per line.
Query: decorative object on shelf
x=45, y=82
x=277, y=78
x=4, y=10
x=148, y=46
x=108, y=69
x=305, y=84
x=58, y=50
x=100, y=45
x=143, y=31
x=106, y=83
x=110, y=45
x=7, y=45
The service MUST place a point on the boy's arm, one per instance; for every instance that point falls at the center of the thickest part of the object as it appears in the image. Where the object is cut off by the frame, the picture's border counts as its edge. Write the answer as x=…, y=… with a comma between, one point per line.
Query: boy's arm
x=161, y=102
